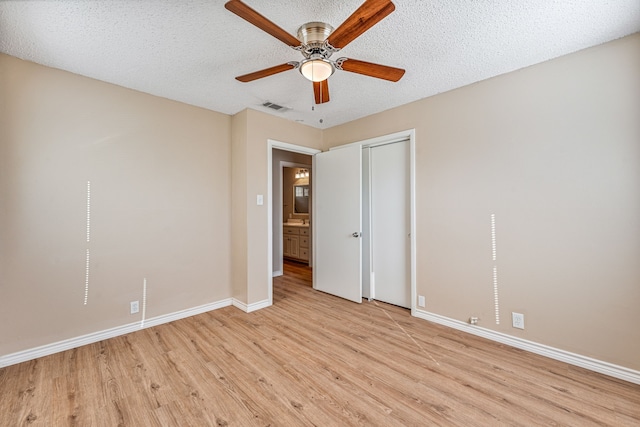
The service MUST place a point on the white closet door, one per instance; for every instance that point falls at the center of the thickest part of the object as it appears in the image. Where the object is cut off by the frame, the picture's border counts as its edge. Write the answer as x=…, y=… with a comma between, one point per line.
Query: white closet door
x=390, y=223
x=337, y=223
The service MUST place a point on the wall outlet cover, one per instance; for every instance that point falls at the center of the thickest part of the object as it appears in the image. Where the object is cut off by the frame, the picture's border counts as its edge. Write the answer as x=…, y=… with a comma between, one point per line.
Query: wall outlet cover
x=517, y=320
x=135, y=307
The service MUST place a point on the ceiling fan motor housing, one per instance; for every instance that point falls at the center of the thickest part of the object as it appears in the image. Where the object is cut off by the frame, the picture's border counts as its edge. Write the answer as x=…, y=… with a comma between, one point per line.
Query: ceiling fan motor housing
x=313, y=36
x=314, y=32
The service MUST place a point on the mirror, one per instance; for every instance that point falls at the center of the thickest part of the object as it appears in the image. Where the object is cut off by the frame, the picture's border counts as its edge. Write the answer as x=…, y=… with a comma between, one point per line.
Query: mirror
x=301, y=199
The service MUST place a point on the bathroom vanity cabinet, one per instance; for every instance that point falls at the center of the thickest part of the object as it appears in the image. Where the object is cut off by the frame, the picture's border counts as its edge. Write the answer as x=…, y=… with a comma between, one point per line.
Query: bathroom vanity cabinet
x=295, y=241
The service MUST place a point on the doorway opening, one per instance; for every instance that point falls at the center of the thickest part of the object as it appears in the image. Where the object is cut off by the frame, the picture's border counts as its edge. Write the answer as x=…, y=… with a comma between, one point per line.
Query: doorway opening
x=290, y=206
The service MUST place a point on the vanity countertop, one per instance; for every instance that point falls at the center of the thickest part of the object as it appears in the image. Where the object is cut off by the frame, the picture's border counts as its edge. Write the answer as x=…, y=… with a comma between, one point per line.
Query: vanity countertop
x=295, y=224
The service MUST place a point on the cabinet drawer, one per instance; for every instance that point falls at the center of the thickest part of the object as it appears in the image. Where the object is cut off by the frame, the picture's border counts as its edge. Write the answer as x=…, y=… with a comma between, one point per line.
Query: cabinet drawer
x=304, y=231
x=304, y=242
x=304, y=254
x=290, y=230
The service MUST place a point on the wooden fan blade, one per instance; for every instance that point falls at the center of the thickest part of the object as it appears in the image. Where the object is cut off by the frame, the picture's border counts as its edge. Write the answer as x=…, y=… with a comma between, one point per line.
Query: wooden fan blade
x=373, y=70
x=321, y=91
x=265, y=73
x=253, y=17
x=366, y=16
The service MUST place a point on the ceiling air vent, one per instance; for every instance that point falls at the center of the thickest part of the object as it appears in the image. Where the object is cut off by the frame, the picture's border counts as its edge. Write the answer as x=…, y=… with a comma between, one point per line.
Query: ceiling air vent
x=275, y=107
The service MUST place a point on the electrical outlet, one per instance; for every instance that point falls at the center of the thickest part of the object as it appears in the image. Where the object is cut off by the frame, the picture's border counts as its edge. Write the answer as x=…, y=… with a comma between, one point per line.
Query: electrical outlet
x=135, y=307
x=517, y=320
x=421, y=302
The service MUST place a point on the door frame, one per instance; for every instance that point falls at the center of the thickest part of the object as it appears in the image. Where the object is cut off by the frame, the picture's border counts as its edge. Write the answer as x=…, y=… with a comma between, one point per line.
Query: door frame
x=409, y=134
x=271, y=144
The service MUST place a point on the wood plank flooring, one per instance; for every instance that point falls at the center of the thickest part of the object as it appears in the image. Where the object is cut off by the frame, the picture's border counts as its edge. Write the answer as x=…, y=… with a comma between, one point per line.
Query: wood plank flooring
x=309, y=360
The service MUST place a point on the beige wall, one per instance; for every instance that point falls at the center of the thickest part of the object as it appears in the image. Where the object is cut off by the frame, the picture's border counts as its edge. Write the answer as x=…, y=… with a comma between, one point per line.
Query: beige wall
x=239, y=240
x=554, y=151
x=160, y=205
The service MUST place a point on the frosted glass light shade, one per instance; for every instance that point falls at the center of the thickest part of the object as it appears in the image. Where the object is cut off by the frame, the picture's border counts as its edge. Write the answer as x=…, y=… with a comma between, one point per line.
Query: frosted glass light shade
x=316, y=70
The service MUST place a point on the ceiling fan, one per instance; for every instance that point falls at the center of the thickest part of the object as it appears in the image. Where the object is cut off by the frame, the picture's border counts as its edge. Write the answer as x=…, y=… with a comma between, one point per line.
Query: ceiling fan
x=317, y=41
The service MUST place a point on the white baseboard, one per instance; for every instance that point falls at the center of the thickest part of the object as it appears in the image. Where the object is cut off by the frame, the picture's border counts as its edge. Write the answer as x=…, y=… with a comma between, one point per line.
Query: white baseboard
x=277, y=273
x=166, y=318
x=251, y=307
x=595, y=365
x=68, y=344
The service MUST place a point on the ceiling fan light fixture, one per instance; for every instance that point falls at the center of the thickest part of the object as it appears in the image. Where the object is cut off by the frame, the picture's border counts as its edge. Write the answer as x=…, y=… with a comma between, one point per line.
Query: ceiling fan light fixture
x=316, y=69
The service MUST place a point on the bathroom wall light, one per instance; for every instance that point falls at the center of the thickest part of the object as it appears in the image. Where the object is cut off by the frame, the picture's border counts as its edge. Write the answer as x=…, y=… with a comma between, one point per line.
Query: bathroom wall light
x=302, y=173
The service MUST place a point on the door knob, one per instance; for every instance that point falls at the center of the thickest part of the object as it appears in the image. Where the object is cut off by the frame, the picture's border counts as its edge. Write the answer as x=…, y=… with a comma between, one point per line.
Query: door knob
x=357, y=234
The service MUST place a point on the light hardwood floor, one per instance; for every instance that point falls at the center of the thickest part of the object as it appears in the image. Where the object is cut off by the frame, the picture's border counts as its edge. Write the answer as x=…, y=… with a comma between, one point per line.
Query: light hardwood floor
x=310, y=359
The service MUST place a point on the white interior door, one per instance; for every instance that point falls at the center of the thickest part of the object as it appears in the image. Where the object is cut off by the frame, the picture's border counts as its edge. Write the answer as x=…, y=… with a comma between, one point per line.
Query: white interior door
x=337, y=223
x=391, y=223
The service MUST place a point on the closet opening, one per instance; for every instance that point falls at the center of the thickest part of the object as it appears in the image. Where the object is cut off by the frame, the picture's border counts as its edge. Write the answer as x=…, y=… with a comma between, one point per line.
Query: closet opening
x=366, y=249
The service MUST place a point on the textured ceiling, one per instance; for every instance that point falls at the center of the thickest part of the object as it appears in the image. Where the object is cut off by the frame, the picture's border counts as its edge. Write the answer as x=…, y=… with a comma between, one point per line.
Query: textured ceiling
x=191, y=50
